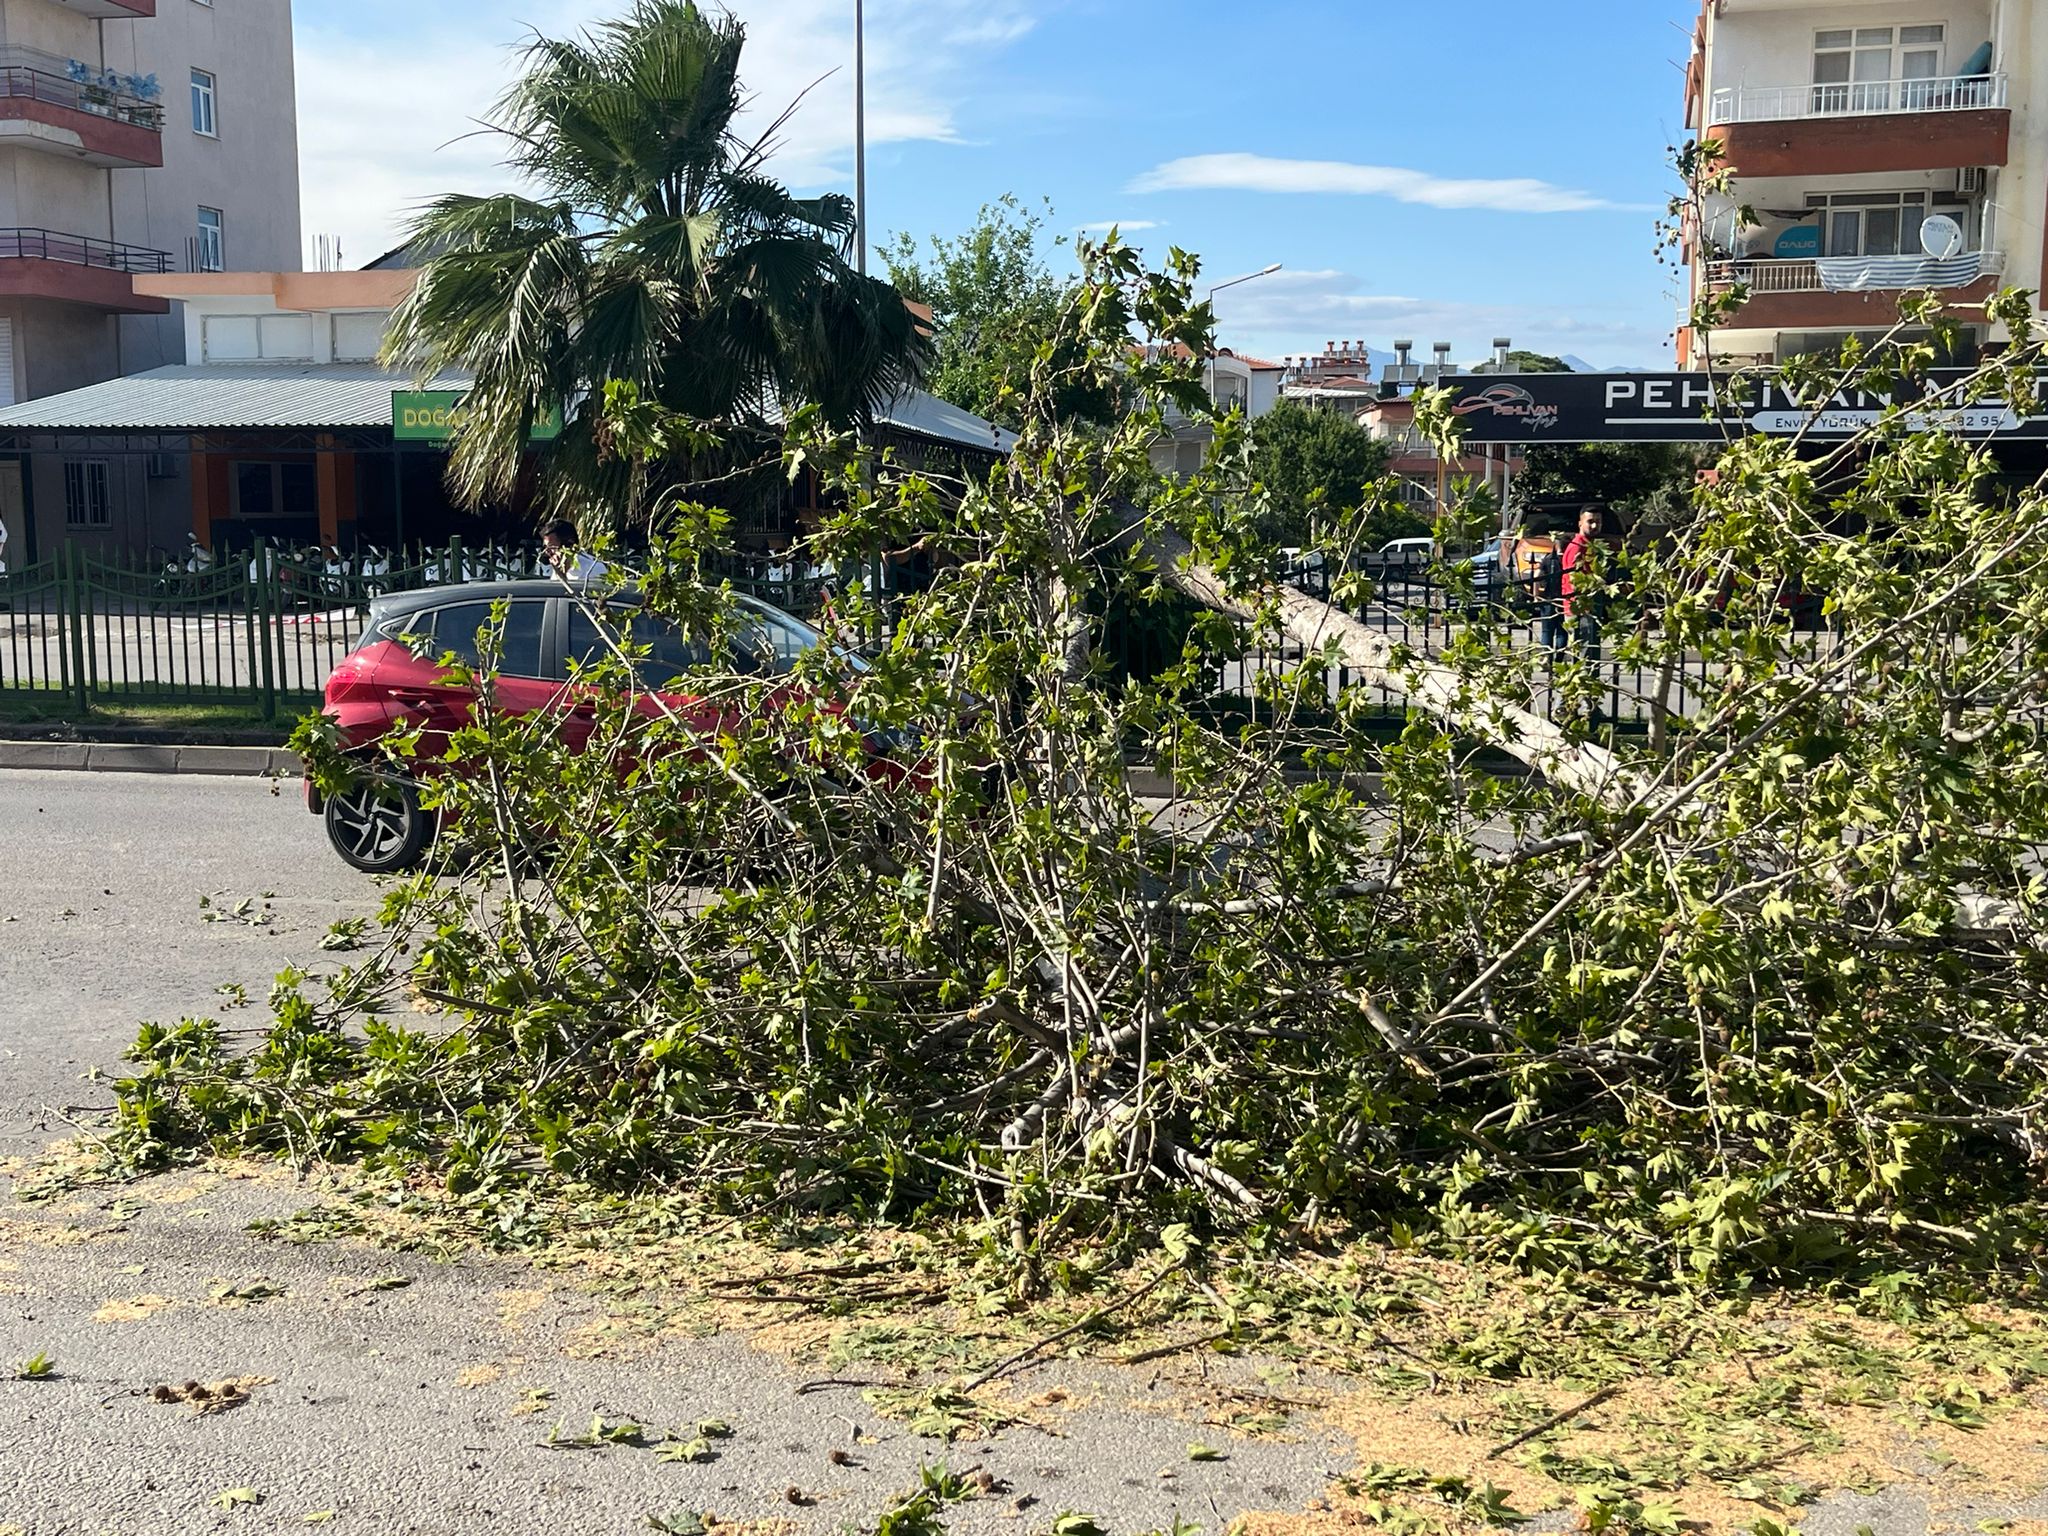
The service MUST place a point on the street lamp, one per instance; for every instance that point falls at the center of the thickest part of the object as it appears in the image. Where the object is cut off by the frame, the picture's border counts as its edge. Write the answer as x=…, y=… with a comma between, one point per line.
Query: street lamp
x=1266, y=271
x=860, y=134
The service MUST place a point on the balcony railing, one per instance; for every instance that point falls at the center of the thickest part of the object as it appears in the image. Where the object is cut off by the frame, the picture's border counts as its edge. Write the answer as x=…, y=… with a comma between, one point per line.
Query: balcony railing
x=22, y=80
x=1860, y=98
x=80, y=251
x=1408, y=442
x=1853, y=274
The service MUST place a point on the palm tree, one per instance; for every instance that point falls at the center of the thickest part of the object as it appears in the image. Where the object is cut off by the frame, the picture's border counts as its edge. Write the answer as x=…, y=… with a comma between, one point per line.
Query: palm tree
x=651, y=248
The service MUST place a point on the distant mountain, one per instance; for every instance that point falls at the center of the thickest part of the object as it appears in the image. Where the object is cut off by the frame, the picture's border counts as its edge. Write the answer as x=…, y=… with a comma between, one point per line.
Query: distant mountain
x=1579, y=364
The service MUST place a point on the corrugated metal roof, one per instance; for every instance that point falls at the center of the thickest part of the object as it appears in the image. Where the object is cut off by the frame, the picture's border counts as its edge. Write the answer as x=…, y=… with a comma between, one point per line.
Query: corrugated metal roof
x=224, y=395
x=220, y=396
x=929, y=416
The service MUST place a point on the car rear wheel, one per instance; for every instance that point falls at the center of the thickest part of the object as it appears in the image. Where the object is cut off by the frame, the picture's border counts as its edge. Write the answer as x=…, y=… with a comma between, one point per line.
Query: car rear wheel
x=377, y=824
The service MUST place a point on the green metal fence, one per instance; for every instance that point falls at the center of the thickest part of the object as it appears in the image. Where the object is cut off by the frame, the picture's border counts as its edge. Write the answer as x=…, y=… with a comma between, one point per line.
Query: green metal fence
x=258, y=631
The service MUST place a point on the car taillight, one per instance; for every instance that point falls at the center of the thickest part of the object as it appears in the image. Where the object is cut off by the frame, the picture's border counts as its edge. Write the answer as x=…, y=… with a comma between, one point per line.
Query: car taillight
x=350, y=677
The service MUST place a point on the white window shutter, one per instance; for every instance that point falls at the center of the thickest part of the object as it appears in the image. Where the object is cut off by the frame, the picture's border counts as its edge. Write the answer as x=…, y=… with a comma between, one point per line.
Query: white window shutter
x=7, y=361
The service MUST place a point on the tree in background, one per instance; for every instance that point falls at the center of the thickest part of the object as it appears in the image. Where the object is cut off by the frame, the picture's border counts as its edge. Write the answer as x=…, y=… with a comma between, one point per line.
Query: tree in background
x=1640, y=481
x=653, y=249
x=1322, y=469
x=1537, y=362
x=994, y=299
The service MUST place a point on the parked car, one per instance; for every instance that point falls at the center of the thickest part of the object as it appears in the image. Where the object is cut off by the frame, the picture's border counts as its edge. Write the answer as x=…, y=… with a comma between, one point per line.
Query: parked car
x=1401, y=554
x=385, y=684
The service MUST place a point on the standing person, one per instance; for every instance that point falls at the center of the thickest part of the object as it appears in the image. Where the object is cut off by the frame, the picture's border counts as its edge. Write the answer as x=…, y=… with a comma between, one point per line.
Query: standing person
x=1581, y=559
x=1550, y=597
x=558, y=540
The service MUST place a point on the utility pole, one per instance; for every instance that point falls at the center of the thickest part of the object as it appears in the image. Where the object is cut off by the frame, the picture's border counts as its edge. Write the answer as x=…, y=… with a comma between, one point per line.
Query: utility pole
x=860, y=133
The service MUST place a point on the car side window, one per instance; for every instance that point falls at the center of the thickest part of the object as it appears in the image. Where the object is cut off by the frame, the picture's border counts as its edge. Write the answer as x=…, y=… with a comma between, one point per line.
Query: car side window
x=671, y=653
x=455, y=627
x=768, y=644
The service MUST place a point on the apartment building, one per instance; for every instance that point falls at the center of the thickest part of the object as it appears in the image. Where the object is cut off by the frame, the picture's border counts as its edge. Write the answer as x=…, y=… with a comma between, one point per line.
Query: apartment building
x=136, y=137
x=1878, y=146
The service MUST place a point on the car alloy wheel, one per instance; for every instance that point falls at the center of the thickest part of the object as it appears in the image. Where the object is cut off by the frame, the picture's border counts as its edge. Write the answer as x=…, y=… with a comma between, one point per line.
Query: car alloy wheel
x=377, y=825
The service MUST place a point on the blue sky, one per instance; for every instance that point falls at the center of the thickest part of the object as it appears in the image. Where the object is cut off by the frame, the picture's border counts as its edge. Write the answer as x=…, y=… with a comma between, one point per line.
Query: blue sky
x=1436, y=171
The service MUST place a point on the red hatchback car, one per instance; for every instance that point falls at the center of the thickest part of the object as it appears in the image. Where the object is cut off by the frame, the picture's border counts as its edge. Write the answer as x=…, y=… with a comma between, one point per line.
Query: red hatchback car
x=378, y=824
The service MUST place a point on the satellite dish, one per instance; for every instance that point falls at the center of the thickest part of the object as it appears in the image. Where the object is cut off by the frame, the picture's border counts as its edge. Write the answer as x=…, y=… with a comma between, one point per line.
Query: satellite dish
x=1940, y=236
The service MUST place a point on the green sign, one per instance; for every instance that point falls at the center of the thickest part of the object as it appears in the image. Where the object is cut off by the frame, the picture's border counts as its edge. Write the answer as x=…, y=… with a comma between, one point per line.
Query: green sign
x=432, y=415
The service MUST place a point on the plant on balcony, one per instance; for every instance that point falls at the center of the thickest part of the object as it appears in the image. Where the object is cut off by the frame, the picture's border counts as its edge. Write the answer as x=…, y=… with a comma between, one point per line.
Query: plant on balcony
x=653, y=249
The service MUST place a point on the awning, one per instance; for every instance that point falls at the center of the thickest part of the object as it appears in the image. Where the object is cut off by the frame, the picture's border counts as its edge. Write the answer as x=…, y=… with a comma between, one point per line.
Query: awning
x=224, y=397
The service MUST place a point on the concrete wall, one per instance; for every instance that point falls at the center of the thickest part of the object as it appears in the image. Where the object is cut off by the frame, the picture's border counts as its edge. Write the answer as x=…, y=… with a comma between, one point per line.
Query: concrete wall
x=2019, y=188
x=55, y=29
x=62, y=346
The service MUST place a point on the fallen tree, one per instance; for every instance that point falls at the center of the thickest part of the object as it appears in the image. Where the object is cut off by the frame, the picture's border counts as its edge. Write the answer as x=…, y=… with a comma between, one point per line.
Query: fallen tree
x=1696, y=1004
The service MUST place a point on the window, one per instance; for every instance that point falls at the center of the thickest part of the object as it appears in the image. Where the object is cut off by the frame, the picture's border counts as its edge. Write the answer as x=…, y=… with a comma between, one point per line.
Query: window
x=86, y=501
x=203, y=120
x=210, y=254
x=1870, y=223
x=268, y=488
x=671, y=653
x=770, y=643
x=455, y=629
x=1855, y=69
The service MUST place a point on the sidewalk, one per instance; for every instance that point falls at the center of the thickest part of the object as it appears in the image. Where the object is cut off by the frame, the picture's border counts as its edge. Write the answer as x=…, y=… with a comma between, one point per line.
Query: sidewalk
x=127, y=757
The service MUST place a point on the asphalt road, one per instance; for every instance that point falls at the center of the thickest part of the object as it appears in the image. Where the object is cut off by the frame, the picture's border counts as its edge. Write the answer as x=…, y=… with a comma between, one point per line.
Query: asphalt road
x=101, y=924
x=403, y=1410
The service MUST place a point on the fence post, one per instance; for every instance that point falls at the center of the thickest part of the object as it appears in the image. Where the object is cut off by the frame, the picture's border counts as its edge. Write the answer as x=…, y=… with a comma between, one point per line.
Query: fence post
x=73, y=602
x=262, y=583
x=253, y=630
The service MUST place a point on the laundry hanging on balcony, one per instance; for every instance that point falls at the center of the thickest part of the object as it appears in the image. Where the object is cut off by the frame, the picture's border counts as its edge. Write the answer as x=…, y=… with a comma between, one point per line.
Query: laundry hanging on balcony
x=1858, y=274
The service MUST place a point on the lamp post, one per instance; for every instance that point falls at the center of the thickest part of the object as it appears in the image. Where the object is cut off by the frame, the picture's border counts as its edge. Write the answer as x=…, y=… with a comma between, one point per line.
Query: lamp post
x=1266, y=271
x=860, y=133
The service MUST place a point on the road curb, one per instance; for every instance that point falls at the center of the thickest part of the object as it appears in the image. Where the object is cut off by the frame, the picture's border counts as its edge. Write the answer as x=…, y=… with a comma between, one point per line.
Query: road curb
x=101, y=757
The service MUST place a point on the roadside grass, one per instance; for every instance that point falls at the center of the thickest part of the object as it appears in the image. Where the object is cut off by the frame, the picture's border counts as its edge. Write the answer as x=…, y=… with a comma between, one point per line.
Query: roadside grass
x=1477, y=1395
x=30, y=707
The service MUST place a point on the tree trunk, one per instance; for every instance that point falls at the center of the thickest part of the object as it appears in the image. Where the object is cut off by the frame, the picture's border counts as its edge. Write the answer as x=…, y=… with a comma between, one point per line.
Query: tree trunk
x=1580, y=766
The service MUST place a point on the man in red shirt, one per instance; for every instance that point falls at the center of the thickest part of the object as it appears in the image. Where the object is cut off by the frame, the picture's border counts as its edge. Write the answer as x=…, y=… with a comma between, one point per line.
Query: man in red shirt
x=1581, y=555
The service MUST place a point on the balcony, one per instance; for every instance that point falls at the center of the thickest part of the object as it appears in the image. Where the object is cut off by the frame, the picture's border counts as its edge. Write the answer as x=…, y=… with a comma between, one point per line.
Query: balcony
x=110, y=10
x=1863, y=98
x=85, y=119
x=77, y=269
x=1864, y=126
x=1853, y=292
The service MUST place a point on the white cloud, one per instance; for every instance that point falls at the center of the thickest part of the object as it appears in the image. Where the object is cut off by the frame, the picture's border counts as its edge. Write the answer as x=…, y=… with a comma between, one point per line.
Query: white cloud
x=1263, y=173
x=1124, y=226
x=385, y=125
x=1297, y=311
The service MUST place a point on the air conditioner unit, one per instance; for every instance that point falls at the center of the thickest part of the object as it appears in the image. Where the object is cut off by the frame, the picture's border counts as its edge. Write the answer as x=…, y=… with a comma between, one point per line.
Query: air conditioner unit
x=1974, y=180
x=161, y=466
